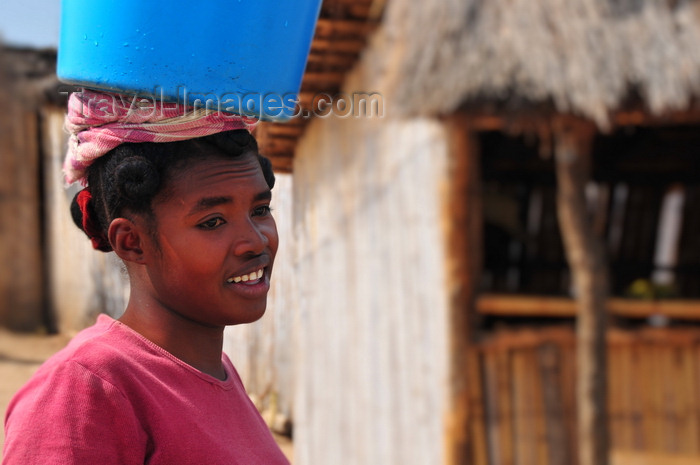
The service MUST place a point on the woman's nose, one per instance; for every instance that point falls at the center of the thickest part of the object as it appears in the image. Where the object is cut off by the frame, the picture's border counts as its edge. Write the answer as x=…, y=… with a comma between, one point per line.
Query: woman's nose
x=250, y=239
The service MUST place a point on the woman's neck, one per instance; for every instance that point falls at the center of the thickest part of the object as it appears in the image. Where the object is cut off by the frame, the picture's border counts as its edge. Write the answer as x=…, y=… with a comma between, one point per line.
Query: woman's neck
x=195, y=344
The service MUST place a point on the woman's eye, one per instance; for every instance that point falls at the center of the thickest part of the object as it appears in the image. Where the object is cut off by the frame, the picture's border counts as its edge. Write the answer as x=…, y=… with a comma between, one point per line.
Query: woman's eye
x=211, y=224
x=262, y=211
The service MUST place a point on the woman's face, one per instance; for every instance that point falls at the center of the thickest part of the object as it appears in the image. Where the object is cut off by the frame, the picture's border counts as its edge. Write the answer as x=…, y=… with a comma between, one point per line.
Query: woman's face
x=216, y=242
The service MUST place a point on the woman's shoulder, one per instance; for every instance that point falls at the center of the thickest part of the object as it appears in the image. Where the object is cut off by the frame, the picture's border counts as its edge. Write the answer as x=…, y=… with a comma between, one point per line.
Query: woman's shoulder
x=72, y=392
x=92, y=344
x=104, y=350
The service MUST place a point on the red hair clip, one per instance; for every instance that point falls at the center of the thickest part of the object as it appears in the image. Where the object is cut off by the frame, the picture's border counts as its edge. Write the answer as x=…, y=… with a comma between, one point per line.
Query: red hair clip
x=93, y=231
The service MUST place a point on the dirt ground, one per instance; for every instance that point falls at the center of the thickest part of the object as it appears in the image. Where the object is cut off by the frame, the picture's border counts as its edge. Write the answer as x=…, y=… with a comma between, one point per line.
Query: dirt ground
x=22, y=354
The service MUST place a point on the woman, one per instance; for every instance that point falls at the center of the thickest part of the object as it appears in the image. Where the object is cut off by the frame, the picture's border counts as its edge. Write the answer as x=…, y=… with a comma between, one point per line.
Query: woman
x=183, y=199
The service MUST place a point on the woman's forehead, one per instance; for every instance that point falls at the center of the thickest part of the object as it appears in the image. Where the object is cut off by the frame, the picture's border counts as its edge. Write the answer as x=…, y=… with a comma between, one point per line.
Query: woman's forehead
x=213, y=173
x=207, y=167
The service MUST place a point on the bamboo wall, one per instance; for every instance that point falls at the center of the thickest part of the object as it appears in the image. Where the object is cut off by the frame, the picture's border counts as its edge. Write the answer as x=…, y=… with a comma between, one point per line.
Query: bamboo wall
x=372, y=371
x=263, y=352
x=524, y=393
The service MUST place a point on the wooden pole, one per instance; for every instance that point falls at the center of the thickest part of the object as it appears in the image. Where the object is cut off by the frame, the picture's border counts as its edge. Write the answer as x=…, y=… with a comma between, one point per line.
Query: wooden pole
x=464, y=428
x=585, y=254
x=550, y=367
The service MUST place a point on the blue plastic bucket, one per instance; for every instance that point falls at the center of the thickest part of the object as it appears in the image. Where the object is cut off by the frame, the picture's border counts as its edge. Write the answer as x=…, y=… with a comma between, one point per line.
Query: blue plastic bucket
x=241, y=56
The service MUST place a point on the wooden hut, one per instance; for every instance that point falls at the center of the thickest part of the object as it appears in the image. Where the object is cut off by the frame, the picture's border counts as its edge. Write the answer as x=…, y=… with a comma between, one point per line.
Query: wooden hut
x=413, y=345
x=24, y=78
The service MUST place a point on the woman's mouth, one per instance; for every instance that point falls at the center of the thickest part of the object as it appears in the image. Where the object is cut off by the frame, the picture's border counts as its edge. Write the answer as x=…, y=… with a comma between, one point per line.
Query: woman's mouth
x=248, y=279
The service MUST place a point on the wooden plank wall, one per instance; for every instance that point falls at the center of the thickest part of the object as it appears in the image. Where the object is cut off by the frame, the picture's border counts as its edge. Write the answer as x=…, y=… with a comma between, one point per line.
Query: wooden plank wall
x=21, y=273
x=263, y=352
x=526, y=383
x=373, y=301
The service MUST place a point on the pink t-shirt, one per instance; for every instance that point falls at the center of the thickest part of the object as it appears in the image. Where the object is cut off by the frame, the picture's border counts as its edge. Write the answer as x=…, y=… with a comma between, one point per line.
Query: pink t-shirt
x=113, y=397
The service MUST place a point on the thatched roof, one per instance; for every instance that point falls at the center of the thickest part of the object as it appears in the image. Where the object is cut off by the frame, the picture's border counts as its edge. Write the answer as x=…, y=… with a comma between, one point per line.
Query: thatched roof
x=581, y=56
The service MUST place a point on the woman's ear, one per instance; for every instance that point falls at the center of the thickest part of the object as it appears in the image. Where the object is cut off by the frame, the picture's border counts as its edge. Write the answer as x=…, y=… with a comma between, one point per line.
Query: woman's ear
x=127, y=239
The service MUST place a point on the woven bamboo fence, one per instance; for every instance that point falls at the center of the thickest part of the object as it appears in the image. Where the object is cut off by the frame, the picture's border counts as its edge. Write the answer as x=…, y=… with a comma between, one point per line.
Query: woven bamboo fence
x=523, y=398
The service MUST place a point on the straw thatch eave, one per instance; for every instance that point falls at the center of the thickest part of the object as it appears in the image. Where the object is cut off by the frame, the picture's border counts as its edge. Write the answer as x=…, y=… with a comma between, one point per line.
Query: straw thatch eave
x=582, y=56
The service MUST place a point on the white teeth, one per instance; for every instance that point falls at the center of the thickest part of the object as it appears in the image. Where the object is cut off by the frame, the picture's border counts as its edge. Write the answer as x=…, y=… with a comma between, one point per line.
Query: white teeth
x=246, y=277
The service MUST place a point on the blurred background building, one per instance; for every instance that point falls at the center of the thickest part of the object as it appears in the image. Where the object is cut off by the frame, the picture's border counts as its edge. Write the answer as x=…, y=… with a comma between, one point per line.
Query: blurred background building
x=441, y=255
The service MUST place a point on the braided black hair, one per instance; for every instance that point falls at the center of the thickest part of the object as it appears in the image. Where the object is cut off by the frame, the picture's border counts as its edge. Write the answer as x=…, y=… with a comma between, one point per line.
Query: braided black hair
x=130, y=176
